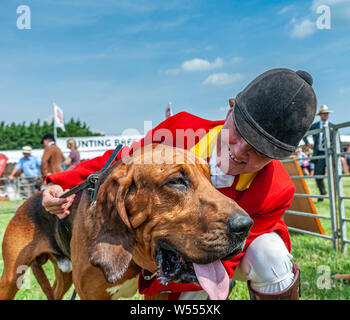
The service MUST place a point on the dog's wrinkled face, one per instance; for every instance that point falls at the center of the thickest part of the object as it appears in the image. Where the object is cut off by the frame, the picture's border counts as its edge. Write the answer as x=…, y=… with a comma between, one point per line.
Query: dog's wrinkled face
x=178, y=223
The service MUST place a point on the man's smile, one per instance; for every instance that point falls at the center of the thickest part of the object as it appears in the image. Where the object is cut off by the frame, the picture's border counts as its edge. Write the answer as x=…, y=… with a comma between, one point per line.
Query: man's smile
x=232, y=156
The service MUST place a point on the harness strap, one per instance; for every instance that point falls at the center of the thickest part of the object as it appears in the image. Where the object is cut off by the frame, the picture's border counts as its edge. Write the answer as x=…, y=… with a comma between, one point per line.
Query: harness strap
x=91, y=181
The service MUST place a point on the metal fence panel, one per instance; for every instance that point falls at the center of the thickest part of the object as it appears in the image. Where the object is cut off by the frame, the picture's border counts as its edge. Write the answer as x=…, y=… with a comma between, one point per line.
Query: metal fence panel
x=339, y=176
x=14, y=192
x=335, y=195
x=331, y=186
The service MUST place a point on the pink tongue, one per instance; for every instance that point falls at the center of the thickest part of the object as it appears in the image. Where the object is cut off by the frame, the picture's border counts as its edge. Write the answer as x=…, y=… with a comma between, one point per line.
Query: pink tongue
x=213, y=279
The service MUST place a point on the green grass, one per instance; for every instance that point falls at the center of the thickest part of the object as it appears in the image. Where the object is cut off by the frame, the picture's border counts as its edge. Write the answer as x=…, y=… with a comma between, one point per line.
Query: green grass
x=316, y=258
x=9, y=206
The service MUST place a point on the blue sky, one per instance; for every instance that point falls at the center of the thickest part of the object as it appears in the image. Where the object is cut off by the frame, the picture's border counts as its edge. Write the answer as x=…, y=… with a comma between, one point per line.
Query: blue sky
x=115, y=64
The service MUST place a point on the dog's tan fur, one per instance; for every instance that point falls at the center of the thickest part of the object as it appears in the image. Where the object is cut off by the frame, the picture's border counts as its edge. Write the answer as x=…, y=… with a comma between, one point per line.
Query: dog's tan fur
x=117, y=235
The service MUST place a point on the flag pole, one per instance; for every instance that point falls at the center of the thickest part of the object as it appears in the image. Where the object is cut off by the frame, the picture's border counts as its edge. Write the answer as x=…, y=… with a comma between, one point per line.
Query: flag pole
x=54, y=122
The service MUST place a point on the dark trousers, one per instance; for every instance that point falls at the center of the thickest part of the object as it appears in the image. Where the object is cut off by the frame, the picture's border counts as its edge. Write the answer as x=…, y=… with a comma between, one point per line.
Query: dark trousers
x=320, y=169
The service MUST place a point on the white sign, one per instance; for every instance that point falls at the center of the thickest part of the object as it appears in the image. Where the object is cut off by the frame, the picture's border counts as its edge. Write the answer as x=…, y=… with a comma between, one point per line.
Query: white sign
x=88, y=147
x=98, y=143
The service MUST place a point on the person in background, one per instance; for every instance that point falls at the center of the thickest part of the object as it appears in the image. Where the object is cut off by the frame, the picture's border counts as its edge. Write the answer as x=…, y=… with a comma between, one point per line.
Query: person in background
x=344, y=162
x=304, y=164
x=319, y=147
x=74, y=157
x=299, y=156
x=309, y=153
x=29, y=164
x=347, y=157
x=52, y=159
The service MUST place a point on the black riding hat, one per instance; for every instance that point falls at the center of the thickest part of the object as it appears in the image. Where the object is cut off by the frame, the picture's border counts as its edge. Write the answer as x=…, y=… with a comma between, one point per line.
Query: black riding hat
x=275, y=110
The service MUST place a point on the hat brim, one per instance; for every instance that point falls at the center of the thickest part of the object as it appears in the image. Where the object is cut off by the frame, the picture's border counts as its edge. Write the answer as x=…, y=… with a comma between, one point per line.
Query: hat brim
x=328, y=111
x=258, y=141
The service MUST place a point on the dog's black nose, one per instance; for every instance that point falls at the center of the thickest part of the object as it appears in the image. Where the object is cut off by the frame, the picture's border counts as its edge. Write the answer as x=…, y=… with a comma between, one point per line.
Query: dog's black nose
x=239, y=225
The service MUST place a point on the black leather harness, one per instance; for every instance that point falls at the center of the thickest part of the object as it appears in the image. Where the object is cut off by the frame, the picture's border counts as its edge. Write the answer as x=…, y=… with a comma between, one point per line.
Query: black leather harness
x=92, y=183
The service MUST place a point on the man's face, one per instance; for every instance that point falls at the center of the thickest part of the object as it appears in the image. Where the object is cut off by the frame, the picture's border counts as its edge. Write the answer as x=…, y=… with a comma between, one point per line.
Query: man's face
x=234, y=154
x=26, y=155
x=324, y=116
x=46, y=142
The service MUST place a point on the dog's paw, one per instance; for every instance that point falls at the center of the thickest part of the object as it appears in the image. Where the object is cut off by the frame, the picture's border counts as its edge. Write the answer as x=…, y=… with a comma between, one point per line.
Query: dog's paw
x=342, y=277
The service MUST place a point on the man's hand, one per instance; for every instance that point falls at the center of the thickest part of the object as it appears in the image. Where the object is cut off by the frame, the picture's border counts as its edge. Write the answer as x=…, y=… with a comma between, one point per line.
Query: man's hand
x=55, y=205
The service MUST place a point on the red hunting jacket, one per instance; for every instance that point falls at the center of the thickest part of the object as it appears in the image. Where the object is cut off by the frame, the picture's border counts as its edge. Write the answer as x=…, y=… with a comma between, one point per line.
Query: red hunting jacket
x=264, y=195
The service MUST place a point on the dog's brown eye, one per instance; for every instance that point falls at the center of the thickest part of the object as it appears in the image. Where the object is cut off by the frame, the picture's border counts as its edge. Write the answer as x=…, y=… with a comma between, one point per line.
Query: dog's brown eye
x=177, y=183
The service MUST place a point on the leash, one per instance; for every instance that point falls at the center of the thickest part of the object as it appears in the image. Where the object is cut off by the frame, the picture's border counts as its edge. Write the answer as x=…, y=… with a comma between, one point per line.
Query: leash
x=92, y=179
x=90, y=184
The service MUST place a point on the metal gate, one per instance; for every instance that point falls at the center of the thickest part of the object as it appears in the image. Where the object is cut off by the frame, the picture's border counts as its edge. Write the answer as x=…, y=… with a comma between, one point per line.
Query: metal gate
x=15, y=192
x=337, y=215
x=339, y=177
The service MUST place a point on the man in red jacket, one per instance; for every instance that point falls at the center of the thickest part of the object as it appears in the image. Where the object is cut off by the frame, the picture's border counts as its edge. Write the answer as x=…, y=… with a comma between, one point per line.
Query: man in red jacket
x=268, y=120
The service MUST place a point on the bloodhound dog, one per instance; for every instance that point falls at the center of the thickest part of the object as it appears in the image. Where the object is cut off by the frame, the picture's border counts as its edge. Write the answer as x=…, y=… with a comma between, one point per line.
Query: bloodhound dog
x=155, y=210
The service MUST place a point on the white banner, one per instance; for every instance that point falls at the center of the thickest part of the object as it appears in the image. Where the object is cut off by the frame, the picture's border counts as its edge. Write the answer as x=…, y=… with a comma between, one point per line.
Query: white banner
x=98, y=143
x=58, y=117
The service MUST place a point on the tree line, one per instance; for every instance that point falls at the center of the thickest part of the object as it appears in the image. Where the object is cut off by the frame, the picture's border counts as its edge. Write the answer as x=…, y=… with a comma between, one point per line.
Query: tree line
x=14, y=136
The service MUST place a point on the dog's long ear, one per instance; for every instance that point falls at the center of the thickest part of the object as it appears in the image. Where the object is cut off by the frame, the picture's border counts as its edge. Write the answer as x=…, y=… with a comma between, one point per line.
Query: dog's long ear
x=110, y=233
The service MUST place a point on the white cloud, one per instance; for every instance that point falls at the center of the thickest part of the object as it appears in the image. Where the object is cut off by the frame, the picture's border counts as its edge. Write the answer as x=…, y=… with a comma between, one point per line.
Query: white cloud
x=303, y=29
x=196, y=64
x=285, y=9
x=200, y=64
x=223, y=79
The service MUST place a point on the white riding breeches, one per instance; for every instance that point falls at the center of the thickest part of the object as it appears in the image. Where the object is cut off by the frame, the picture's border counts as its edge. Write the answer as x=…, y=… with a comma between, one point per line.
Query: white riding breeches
x=266, y=263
